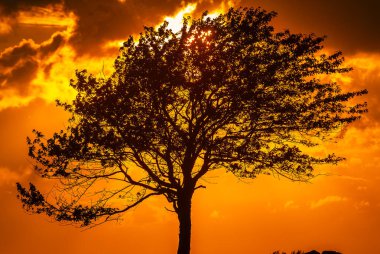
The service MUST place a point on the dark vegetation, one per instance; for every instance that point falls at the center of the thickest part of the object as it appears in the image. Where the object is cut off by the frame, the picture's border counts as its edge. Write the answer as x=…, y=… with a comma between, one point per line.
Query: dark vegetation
x=309, y=252
x=225, y=94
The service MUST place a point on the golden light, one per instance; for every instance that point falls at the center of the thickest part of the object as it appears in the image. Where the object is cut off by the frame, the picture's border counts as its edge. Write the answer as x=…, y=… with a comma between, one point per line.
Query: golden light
x=55, y=85
x=364, y=61
x=175, y=23
x=114, y=44
x=214, y=14
x=5, y=26
x=9, y=98
x=49, y=16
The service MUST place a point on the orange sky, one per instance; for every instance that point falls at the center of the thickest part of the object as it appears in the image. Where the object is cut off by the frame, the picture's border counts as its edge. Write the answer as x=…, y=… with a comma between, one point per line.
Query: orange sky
x=42, y=42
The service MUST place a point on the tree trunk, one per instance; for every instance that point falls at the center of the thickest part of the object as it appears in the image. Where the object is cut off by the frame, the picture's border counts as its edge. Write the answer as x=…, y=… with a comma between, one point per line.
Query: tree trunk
x=184, y=217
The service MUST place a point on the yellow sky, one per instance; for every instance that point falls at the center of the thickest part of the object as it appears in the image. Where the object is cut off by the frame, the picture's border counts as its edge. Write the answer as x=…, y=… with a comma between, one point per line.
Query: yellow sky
x=42, y=45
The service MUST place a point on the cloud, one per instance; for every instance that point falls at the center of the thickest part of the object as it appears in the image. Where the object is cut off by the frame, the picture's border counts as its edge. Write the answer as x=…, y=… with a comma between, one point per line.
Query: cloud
x=50, y=15
x=366, y=74
x=11, y=6
x=5, y=25
x=52, y=45
x=290, y=205
x=29, y=69
x=19, y=64
x=102, y=21
x=116, y=20
x=350, y=25
x=9, y=177
x=362, y=204
x=28, y=48
x=327, y=200
x=20, y=75
x=362, y=188
x=10, y=56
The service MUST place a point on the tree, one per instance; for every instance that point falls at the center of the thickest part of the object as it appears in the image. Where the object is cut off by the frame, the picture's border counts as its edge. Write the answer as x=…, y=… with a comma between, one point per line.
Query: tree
x=225, y=93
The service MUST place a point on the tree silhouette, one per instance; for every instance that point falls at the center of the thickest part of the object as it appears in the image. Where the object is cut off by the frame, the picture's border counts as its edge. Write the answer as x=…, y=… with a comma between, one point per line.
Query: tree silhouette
x=225, y=93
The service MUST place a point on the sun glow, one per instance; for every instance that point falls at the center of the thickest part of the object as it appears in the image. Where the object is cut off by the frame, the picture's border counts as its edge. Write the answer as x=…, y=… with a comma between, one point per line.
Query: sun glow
x=114, y=44
x=214, y=14
x=175, y=23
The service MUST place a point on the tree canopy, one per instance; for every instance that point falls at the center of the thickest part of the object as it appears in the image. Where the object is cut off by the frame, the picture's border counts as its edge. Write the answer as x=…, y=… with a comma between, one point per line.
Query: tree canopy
x=222, y=93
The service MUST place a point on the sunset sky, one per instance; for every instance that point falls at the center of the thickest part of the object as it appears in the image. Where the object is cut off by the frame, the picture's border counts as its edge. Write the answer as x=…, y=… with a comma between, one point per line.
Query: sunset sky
x=43, y=42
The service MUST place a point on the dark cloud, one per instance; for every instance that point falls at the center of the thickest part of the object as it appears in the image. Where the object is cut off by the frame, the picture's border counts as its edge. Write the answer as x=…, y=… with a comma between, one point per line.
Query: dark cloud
x=12, y=55
x=19, y=32
x=52, y=45
x=29, y=49
x=19, y=77
x=18, y=67
x=11, y=6
x=99, y=21
x=19, y=64
x=352, y=26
